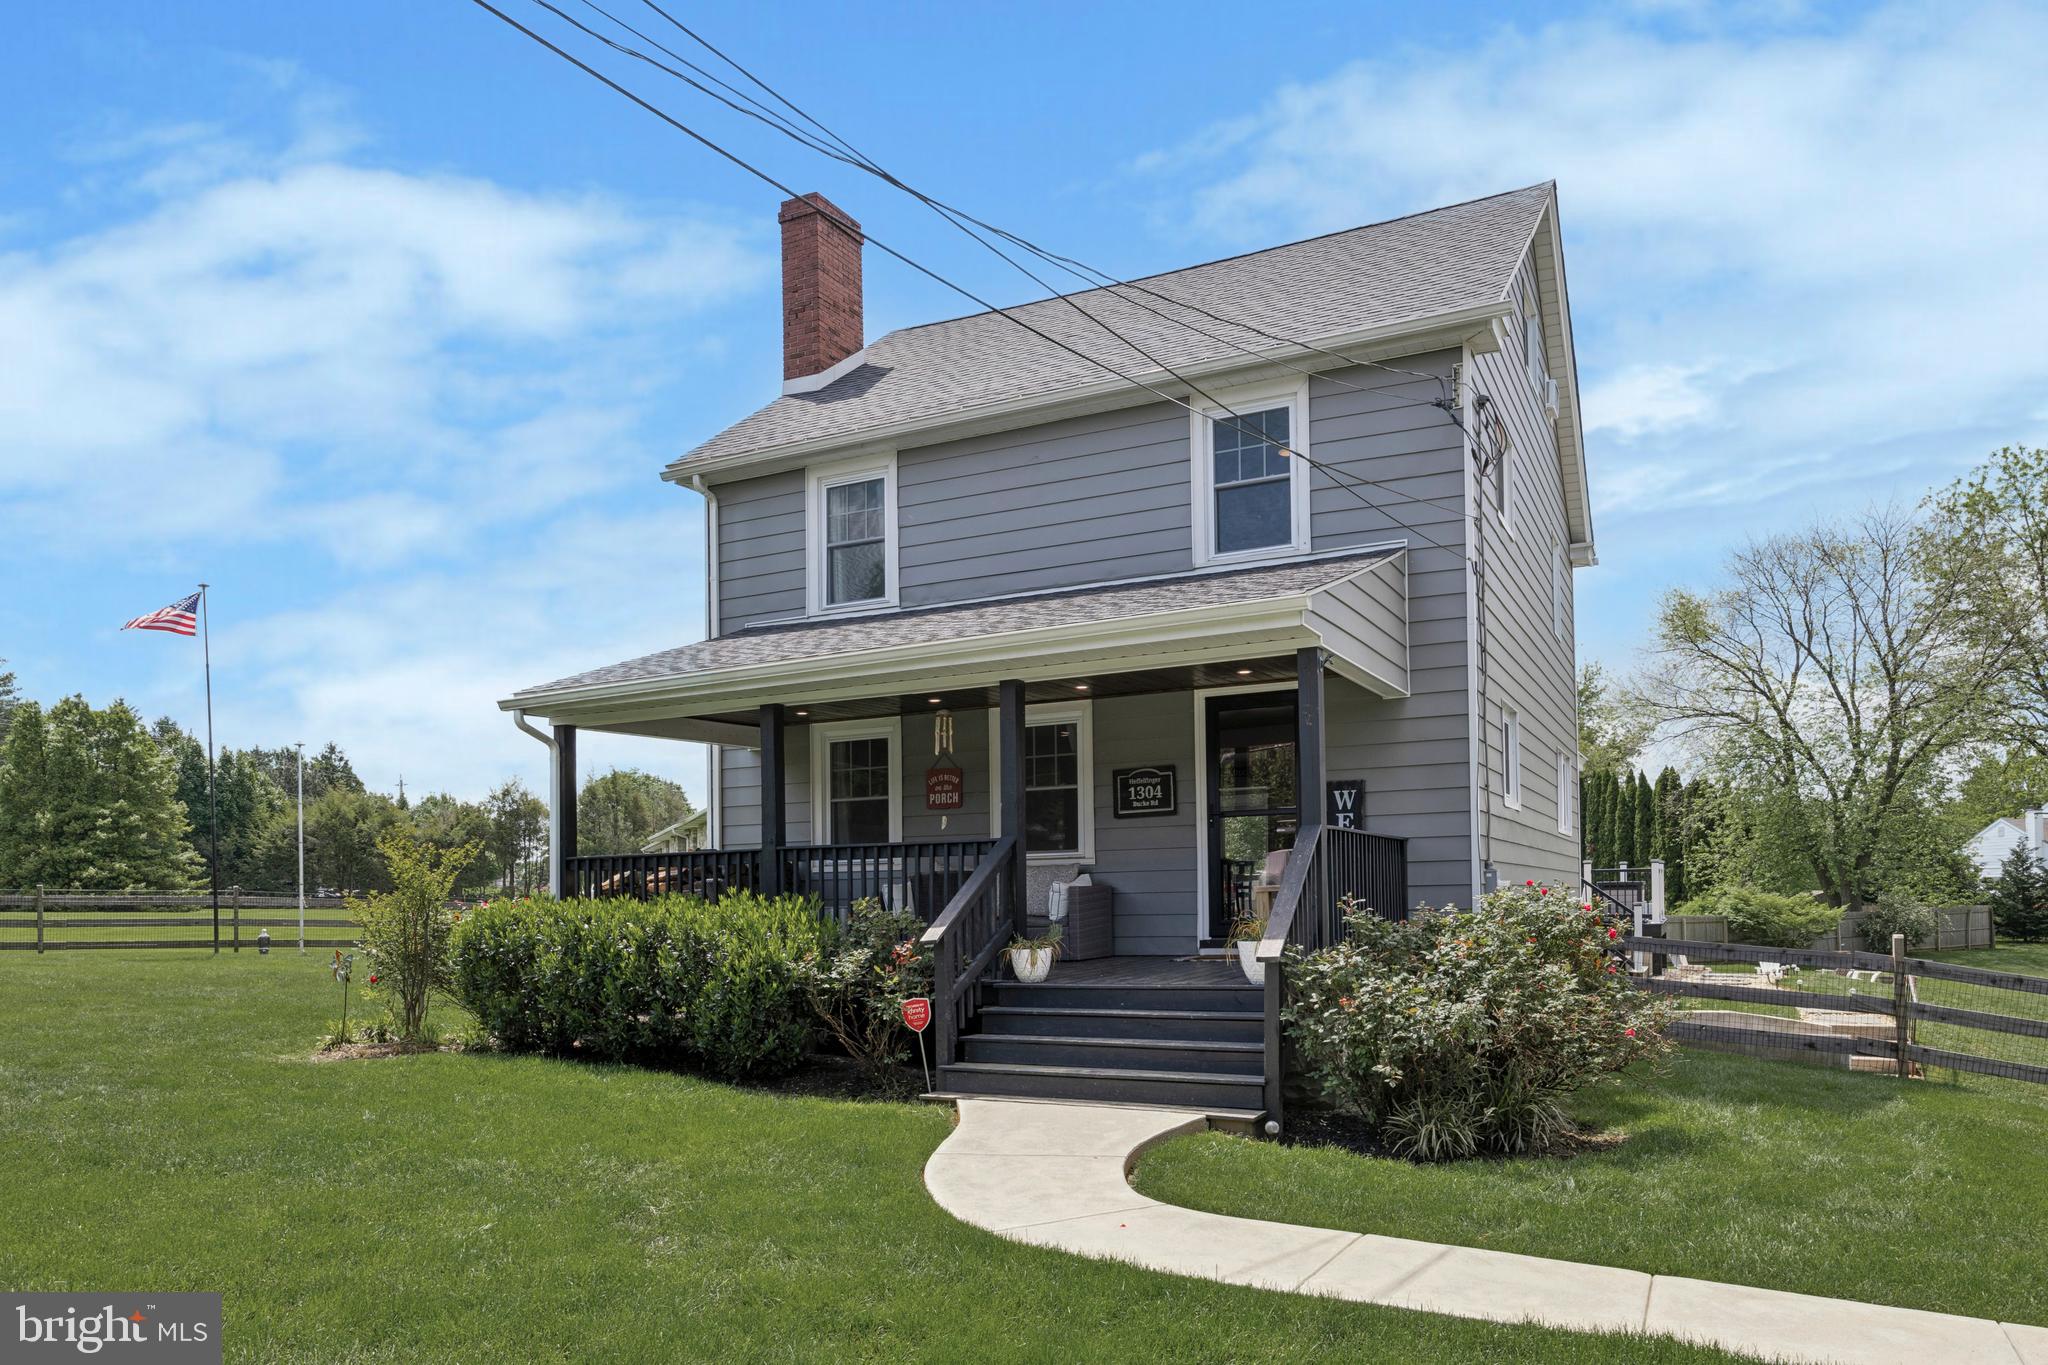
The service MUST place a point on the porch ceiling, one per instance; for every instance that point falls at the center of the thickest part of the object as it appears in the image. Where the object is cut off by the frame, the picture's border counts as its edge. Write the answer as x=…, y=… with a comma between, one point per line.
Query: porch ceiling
x=1198, y=630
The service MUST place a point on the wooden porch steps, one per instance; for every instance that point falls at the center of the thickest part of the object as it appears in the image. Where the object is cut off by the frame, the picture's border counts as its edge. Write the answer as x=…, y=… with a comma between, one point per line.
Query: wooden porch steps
x=1186, y=1035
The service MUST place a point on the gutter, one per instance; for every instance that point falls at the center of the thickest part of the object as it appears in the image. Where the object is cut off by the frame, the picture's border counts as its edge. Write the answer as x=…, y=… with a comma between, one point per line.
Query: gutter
x=554, y=790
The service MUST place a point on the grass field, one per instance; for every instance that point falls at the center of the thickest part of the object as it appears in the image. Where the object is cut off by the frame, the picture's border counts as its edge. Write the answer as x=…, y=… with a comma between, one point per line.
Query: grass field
x=164, y=1129
x=1925, y=1194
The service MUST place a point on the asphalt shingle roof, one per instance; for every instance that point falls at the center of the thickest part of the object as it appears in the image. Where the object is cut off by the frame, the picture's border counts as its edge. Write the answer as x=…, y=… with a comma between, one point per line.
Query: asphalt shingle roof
x=1382, y=274
x=807, y=640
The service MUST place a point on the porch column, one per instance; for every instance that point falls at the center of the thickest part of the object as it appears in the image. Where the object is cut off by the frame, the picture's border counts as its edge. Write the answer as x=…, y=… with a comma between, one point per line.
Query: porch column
x=1308, y=735
x=774, y=798
x=1010, y=745
x=562, y=813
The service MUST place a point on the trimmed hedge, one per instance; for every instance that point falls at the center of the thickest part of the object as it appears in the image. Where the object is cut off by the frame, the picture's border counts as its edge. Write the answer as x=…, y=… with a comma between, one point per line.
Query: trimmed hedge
x=672, y=979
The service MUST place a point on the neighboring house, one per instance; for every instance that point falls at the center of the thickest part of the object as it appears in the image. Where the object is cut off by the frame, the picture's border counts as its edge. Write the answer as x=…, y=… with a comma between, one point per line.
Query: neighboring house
x=976, y=603
x=1993, y=844
x=684, y=836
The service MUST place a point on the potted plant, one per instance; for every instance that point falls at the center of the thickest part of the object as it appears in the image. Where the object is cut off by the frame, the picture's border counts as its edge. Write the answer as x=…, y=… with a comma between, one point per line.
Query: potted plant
x=1031, y=958
x=1245, y=933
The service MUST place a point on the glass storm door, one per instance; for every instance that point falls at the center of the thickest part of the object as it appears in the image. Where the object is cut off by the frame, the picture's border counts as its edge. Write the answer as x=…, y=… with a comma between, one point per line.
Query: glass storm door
x=1253, y=810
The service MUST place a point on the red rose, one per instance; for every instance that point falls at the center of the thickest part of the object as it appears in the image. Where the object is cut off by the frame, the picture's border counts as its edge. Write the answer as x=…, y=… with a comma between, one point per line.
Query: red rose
x=1530, y=882
x=1628, y=1032
x=1614, y=933
x=373, y=981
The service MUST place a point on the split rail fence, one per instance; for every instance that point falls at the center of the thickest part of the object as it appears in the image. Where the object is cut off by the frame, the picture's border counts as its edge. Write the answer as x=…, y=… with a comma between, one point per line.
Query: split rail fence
x=1865, y=1011
x=42, y=921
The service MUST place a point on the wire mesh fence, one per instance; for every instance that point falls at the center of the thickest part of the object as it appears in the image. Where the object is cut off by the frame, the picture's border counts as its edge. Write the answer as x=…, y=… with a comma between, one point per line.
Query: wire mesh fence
x=1864, y=1011
x=43, y=921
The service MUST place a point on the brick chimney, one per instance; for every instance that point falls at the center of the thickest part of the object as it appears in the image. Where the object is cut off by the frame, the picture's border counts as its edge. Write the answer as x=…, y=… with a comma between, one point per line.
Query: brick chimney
x=821, y=298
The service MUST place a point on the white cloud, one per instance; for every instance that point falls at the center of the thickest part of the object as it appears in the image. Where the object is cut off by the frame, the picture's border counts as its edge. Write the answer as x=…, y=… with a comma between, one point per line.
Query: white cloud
x=1804, y=256
x=415, y=407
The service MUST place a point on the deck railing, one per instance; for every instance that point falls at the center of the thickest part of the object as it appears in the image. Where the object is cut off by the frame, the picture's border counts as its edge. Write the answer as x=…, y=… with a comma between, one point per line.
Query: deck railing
x=922, y=877
x=964, y=939
x=1327, y=867
x=700, y=872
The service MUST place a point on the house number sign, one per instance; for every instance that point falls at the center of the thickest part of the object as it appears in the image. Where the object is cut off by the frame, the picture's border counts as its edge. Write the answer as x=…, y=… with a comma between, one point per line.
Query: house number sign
x=1146, y=791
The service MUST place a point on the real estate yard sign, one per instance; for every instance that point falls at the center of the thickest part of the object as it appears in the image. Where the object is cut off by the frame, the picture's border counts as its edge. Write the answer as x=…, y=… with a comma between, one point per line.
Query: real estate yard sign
x=917, y=1016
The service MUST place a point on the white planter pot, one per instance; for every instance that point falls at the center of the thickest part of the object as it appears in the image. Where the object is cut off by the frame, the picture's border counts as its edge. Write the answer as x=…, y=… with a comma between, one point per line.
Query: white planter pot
x=1031, y=964
x=1248, y=958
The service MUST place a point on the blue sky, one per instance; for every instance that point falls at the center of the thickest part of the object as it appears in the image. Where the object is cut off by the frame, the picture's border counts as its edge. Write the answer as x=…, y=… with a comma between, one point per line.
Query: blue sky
x=382, y=320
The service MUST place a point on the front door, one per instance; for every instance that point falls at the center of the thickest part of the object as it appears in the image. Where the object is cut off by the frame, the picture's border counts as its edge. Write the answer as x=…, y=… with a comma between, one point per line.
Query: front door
x=1253, y=809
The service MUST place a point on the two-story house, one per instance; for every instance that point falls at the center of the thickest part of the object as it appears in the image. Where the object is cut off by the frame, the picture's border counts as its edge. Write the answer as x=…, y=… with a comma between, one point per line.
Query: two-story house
x=1282, y=614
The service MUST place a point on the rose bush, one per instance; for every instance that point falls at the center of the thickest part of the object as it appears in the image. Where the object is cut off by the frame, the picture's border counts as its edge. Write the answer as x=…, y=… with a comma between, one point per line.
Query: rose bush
x=858, y=980
x=1461, y=1032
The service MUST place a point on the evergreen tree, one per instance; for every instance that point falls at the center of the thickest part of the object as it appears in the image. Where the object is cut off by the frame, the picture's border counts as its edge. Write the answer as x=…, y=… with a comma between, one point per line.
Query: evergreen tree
x=1625, y=822
x=326, y=771
x=251, y=807
x=2019, y=896
x=88, y=800
x=1667, y=840
x=1646, y=825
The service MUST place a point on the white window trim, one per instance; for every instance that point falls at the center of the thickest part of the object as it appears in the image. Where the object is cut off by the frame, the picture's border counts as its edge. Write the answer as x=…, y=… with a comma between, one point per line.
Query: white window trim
x=1507, y=491
x=1202, y=468
x=1082, y=713
x=817, y=479
x=1567, y=785
x=822, y=737
x=1511, y=758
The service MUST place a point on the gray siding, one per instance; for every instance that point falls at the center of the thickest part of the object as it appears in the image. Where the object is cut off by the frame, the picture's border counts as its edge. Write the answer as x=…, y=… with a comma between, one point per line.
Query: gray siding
x=1077, y=501
x=1365, y=621
x=1150, y=861
x=760, y=549
x=1528, y=666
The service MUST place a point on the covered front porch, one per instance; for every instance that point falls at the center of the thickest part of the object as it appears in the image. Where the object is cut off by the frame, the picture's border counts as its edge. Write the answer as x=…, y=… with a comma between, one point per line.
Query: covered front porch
x=1176, y=758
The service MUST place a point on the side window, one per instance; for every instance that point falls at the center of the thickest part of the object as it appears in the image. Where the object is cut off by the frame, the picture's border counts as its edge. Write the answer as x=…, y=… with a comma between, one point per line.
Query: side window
x=1511, y=757
x=850, y=538
x=1250, y=490
x=1566, y=785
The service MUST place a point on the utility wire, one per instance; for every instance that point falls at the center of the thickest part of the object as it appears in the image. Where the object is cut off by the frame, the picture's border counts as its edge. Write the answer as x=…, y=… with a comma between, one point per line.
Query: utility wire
x=964, y=292
x=852, y=156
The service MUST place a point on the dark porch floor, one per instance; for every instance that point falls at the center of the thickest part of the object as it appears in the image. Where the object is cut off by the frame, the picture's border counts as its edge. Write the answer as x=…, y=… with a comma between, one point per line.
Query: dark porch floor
x=1146, y=971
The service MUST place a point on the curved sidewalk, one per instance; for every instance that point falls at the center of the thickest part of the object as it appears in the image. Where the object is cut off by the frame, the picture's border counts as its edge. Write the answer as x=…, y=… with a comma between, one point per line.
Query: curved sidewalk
x=1055, y=1175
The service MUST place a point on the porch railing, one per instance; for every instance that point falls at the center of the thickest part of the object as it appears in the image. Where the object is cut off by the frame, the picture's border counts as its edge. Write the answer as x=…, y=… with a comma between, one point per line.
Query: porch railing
x=700, y=872
x=965, y=939
x=922, y=878
x=1327, y=866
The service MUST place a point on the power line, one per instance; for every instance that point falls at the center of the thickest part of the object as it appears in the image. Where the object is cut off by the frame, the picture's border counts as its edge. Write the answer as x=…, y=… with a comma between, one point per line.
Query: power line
x=853, y=156
x=1344, y=481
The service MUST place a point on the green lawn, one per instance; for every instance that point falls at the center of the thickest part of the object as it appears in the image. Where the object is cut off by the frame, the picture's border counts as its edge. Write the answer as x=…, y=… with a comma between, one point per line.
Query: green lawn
x=1925, y=1194
x=2029, y=959
x=164, y=1129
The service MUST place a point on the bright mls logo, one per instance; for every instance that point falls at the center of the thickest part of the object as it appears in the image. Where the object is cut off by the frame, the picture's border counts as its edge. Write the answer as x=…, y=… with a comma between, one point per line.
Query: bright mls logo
x=173, y=1329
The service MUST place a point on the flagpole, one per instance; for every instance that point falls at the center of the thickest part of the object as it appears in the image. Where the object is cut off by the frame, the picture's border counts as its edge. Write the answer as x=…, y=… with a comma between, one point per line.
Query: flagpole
x=212, y=801
x=302, y=846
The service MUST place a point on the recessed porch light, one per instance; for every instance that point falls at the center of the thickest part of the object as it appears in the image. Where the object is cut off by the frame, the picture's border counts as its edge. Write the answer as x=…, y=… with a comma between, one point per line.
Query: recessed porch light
x=933, y=700
x=1080, y=687
x=803, y=713
x=1244, y=672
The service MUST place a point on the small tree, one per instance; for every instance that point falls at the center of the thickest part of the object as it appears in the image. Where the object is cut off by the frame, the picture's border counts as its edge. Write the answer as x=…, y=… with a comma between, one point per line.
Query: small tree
x=405, y=930
x=2019, y=896
x=859, y=979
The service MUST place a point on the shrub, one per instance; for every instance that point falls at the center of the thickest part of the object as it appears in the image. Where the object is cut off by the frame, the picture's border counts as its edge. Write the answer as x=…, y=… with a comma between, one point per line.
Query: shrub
x=2019, y=896
x=1461, y=1032
x=857, y=982
x=673, y=979
x=405, y=931
x=1765, y=919
x=1896, y=914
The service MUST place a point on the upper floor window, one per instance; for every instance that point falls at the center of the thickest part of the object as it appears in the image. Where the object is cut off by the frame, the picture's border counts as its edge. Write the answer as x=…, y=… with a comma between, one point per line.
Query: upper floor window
x=851, y=537
x=1250, y=490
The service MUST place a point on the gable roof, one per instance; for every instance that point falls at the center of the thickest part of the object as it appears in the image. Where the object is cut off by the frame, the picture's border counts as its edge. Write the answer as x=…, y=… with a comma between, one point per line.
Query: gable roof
x=1378, y=277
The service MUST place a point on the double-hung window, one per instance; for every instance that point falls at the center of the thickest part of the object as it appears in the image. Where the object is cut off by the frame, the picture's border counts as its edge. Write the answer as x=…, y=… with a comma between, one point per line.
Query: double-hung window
x=856, y=771
x=1250, y=486
x=852, y=537
x=1059, y=780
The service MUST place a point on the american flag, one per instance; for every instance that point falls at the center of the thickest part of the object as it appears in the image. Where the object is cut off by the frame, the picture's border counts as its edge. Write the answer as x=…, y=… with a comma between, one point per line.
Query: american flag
x=179, y=618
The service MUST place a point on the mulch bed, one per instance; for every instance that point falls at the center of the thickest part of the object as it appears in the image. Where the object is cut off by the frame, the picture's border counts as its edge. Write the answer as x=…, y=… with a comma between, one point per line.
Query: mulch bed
x=825, y=1076
x=351, y=1052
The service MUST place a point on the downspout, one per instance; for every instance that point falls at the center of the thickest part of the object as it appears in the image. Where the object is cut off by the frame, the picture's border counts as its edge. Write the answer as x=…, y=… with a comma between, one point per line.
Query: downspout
x=714, y=769
x=554, y=788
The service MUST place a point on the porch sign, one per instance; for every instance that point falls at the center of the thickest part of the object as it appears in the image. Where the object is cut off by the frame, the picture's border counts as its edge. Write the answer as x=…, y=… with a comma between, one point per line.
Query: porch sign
x=1346, y=808
x=1146, y=791
x=944, y=787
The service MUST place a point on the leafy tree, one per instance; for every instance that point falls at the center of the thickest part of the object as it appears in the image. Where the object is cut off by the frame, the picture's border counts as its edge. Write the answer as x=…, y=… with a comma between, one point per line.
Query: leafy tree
x=88, y=800
x=1999, y=784
x=2019, y=896
x=1613, y=725
x=342, y=830
x=406, y=931
x=1833, y=676
x=519, y=831
x=327, y=770
x=442, y=822
x=10, y=697
x=1988, y=538
x=618, y=811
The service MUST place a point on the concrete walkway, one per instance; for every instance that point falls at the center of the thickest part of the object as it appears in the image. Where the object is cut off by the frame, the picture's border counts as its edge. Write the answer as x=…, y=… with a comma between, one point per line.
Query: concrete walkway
x=1055, y=1175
